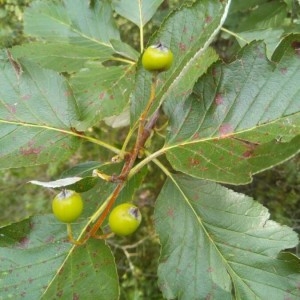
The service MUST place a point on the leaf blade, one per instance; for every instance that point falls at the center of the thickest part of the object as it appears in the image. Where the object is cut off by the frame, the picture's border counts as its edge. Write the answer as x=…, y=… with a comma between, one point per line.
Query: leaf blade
x=219, y=236
x=252, y=109
x=37, y=113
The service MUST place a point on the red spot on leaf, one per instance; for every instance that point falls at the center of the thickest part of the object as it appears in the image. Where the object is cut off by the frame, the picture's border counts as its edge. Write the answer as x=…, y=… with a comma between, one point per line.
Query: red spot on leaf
x=26, y=97
x=67, y=93
x=101, y=96
x=219, y=99
x=196, y=136
x=248, y=153
x=296, y=46
x=225, y=129
x=208, y=19
x=12, y=108
x=30, y=150
x=75, y=296
x=194, y=162
x=170, y=212
x=182, y=47
x=23, y=242
x=283, y=71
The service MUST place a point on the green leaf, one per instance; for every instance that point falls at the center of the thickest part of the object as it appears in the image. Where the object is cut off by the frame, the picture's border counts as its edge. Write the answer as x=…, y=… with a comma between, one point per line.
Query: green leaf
x=39, y=246
x=37, y=114
x=138, y=12
x=62, y=56
x=246, y=111
x=72, y=21
x=82, y=169
x=125, y=50
x=75, y=33
x=271, y=36
x=218, y=244
x=101, y=92
x=262, y=16
x=89, y=272
x=188, y=33
x=36, y=246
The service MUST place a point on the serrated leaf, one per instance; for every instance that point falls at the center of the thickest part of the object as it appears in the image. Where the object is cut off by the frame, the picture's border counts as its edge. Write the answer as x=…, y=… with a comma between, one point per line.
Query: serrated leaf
x=36, y=263
x=271, y=36
x=101, y=92
x=89, y=272
x=75, y=33
x=218, y=244
x=61, y=56
x=125, y=50
x=49, y=265
x=234, y=112
x=72, y=21
x=137, y=11
x=262, y=16
x=188, y=33
x=37, y=114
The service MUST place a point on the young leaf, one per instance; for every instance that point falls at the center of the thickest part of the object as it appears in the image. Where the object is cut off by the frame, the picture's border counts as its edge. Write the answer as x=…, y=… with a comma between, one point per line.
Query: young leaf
x=36, y=116
x=187, y=32
x=217, y=243
x=234, y=112
x=138, y=12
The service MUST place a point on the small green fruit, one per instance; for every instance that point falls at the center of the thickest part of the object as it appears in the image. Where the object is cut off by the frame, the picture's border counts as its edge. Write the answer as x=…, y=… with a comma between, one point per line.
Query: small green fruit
x=157, y=58
x=67, y=206
x=124, y=219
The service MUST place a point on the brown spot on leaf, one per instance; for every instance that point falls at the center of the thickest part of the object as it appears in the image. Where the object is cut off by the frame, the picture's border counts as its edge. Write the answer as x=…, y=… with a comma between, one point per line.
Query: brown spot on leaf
x=219, y=99
x=170, y=212
x=208, y=19
x=194, y=162
x=23, y=242
x=26, y=97
x=283, y=71
x=248, y=153
x=225, y=129
x=75, y=296
x=182, y=47
x=30, y=150
x=101, y=96
x=296, y=46
x=12, y=108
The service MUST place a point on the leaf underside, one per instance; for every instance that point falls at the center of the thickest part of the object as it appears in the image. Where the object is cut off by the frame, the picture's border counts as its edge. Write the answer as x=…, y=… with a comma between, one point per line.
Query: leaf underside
x=216, y=243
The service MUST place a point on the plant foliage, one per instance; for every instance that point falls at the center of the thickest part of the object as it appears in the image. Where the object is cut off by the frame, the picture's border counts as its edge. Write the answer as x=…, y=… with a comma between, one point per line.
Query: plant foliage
x=204, y=122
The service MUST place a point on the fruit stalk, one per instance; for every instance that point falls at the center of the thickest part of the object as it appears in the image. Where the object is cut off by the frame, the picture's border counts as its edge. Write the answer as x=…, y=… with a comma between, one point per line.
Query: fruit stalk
x=142, y=136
